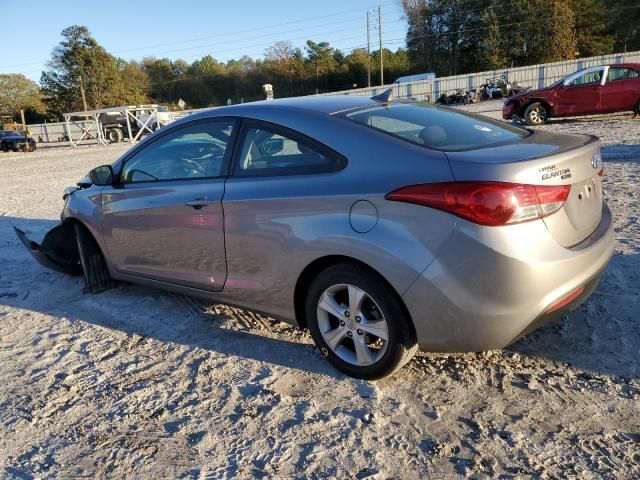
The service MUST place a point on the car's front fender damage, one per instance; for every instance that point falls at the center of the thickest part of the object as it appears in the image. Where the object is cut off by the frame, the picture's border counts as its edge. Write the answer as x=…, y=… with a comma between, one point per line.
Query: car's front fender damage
x=58, y=250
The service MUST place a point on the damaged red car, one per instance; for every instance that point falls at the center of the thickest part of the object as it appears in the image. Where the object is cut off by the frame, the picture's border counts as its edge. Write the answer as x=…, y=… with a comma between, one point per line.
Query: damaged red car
x=593, y=90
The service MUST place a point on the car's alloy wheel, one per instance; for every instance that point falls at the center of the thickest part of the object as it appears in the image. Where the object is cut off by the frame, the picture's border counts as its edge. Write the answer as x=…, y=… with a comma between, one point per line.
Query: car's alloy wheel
x=359, y=322
x=536, y=114
x=352, y=325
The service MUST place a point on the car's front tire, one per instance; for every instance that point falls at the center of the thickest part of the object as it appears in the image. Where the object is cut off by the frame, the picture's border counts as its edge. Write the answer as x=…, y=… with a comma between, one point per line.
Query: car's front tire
x=536, y=114
x=4, y=147
x=94, y=267
x=359, y=322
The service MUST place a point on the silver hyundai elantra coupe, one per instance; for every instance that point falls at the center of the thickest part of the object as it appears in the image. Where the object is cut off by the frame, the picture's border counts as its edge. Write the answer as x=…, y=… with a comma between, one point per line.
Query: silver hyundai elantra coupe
x=379, y=226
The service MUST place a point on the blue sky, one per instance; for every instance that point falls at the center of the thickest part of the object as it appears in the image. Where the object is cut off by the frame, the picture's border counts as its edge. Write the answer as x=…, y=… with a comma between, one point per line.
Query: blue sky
x=135, y=29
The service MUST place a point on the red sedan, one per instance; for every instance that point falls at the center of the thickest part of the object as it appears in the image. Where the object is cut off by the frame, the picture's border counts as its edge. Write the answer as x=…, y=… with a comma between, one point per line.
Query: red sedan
x=603, y=89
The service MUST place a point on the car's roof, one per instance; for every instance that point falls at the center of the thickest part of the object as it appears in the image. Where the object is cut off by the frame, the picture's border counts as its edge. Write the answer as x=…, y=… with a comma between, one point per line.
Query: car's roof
x=633, y=65
x=317, y=103
x=13, y=132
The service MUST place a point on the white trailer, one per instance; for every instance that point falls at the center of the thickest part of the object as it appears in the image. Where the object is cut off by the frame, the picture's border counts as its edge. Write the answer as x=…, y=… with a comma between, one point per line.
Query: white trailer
x=116, y=124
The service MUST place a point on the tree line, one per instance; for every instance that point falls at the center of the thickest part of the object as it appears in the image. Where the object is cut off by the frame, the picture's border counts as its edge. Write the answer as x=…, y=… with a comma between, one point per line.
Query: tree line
x=451, y=37
x=447, y=37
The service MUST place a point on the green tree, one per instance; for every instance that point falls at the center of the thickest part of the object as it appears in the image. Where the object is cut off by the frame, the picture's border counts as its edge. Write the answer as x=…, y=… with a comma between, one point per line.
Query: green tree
x=80, y=73
x=593, y=35
x=491, y=55
x=134, y=85
x=625, y=23
x=320, y=57
x=17, y=92
x=284, y=64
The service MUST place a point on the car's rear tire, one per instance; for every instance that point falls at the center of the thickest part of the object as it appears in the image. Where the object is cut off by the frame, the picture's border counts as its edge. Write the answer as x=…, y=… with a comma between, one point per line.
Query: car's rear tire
x=94, y=267
x=536, y=114
x=115, y=135
x=636, y=109
x=359, y=322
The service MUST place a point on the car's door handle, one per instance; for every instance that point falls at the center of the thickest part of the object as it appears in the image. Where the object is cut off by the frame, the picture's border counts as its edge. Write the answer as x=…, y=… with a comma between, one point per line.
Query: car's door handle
x=198, y=203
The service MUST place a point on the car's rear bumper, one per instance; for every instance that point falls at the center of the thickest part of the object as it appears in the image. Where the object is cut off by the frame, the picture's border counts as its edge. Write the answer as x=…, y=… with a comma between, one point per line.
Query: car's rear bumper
x=490, y=286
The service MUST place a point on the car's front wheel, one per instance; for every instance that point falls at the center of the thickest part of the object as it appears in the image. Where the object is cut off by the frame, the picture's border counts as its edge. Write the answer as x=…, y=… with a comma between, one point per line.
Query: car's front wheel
x=358, y=322
x=4, y=147
x=94, y=267
x=536, y=114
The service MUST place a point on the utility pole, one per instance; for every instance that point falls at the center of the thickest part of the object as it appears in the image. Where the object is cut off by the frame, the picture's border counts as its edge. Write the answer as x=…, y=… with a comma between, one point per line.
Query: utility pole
x=380, y=33
x=368, y=53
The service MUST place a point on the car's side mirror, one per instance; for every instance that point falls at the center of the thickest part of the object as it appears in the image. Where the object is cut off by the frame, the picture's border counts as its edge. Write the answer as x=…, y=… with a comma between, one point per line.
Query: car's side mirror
x=272, y=146
x=102, y=175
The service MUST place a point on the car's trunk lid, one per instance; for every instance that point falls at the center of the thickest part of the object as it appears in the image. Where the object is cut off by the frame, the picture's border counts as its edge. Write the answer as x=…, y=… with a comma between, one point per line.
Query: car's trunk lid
x=545, y=159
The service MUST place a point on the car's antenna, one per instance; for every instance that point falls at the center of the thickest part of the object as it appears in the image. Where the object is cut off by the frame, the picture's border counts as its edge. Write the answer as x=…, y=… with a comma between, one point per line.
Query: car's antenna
x=384, y=97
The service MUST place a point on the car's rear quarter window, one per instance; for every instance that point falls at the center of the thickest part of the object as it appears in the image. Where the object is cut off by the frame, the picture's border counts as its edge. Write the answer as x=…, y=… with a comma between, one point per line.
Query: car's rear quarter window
x=435, y=127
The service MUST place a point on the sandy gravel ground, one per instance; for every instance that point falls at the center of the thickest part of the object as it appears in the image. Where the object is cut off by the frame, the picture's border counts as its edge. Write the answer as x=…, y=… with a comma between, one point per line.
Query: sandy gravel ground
x=140, y=383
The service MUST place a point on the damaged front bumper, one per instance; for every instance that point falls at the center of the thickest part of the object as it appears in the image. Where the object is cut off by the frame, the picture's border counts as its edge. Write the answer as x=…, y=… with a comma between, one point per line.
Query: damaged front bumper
x=58, y=251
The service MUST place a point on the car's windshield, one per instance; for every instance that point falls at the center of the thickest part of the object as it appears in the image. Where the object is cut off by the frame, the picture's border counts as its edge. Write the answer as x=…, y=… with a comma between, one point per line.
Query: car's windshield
x=436, y=127
x=581, y=77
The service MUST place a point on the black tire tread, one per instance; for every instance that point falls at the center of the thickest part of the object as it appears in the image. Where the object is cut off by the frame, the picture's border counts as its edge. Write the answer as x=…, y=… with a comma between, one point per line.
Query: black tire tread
x=398, y=353
x=118, y=133
x=94, y=267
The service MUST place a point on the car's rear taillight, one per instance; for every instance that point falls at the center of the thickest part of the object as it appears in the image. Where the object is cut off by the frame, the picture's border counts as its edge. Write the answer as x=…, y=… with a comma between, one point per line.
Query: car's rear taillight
x=487, y=203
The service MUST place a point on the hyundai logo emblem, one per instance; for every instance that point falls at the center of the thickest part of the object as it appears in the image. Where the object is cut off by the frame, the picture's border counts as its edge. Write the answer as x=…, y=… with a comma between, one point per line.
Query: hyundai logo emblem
x=596, y=160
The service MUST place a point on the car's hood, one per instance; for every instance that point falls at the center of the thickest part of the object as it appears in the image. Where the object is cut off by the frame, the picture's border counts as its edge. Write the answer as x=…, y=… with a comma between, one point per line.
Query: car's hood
x=528, y=93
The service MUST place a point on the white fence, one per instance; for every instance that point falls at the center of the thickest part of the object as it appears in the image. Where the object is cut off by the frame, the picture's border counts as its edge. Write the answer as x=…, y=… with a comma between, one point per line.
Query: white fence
x=58, y=131
x=536, y=76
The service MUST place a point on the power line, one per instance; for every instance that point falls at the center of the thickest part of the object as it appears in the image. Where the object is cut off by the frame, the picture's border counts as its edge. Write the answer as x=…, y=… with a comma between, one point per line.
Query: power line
x=265, y=45
x=308, y=19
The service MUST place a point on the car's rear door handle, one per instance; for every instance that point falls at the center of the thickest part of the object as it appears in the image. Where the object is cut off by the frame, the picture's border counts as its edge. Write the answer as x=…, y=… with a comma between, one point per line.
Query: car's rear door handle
x=198, y=203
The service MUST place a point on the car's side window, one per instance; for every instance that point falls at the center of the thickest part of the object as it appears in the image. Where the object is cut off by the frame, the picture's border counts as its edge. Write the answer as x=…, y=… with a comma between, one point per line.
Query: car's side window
x=274, y=151
x=593, y=76
x=621, y=73
x=190, y=152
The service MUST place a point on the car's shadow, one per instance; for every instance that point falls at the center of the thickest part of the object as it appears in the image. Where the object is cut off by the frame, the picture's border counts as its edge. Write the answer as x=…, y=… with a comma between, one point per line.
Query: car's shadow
x=602, y=336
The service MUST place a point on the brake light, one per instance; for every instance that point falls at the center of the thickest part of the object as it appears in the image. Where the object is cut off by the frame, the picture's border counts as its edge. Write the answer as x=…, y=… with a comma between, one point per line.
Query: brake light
x=487, y=203
x=601, y=172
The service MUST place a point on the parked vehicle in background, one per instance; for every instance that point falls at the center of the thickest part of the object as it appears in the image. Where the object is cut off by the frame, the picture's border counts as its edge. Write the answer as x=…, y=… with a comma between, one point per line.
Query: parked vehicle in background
x=15, y=141
x=459, y=97
x=114, y=122
x=379, y=226
x=602, y=89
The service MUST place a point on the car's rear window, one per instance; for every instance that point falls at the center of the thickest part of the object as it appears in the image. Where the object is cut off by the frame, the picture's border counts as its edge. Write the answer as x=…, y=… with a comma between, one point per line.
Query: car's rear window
x=436, y=127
